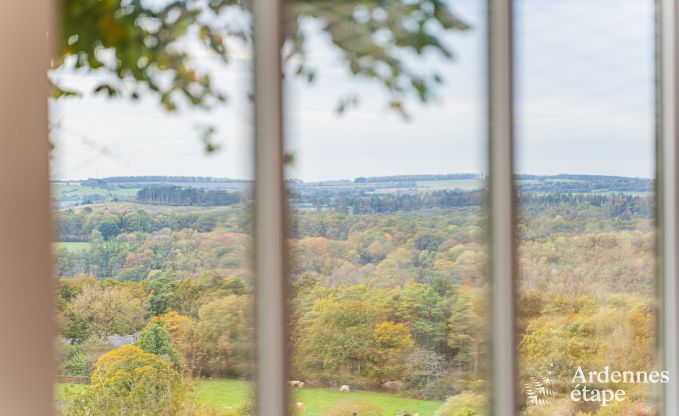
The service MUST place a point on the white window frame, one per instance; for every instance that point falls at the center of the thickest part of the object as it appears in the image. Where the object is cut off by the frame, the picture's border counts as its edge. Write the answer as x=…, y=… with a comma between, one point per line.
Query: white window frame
x=667, y=202
x=270, y=253
x=26, y=293
x=501, y=207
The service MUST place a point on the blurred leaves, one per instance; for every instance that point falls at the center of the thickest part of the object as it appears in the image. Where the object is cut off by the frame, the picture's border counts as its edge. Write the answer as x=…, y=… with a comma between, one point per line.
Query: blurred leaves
x=139, y=46
x=136, y=47
x=377, y=38
x=208, y=138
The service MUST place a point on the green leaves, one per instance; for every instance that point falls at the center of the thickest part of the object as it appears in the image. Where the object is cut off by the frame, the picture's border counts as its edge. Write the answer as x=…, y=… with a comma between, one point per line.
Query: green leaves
x=379, y=40
x=143, y=49
x=207, y=137
x=138, y=48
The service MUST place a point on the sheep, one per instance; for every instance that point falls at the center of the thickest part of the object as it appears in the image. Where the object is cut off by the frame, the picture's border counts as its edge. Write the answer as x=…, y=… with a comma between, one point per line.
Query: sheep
x=300, y=406
x=294, y=383
x=345, y=387
x=301, y=385
x=393, y=386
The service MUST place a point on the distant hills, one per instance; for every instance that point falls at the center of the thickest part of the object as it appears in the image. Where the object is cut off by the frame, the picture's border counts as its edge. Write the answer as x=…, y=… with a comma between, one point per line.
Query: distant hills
x=93, y=182
x=186, y=190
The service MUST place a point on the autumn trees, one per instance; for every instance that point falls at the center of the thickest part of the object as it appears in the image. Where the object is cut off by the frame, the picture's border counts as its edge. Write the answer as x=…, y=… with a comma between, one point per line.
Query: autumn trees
x=375, y=298
x=100, y=310
x=129, y=381
x=201, y=326
x=351, y=340
x=175, y=195
x=368, y=336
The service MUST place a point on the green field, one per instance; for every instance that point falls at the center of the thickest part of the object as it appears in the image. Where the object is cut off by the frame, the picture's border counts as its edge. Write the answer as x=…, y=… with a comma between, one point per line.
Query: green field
x=69, y=194
x=632, y=193
x=73, y=247
x=74, y=193
x=462, y=184
x=75, y=190
x=129, y=206
x=61, y=391
x=230, y=394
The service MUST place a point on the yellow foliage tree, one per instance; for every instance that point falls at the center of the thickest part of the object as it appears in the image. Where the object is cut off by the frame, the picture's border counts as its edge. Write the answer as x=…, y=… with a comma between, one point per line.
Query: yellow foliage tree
x=129, y=381
x=392, y=343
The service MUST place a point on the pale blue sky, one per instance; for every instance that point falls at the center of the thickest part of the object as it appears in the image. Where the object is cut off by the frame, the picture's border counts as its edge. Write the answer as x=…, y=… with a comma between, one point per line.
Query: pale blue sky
x=584, y=105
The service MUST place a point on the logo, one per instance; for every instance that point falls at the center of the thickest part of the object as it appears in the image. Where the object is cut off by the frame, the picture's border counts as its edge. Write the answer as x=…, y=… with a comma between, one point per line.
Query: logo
x=588, y=385
x=541, y=387
x=591, y=386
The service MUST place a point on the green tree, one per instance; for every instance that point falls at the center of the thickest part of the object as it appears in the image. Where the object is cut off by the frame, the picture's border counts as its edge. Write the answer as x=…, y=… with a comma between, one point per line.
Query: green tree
x=104, y=258
x=468, y=328
x=337, y=341
x=67, y=291
x=103, y=310
x=162, y=292
x=222, y=338
x=79, y=359
x=425, y=312
x=108, y=229
x=563, y=341
x=156, y=340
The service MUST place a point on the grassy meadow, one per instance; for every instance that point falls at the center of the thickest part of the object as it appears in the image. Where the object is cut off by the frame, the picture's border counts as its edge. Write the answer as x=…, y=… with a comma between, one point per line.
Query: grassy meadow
x=225, y=395
x=72, y=246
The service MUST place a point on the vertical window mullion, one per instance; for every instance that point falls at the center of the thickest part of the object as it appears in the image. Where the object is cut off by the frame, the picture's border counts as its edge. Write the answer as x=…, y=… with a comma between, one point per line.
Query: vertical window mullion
x=269, y=232
x=501, y=188
x=667, y=160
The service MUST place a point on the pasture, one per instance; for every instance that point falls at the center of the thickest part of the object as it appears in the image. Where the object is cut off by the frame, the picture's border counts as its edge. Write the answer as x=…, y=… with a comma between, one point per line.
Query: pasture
x=225, y=395
x=72, y=246
x=450, y=184
x=74, y=191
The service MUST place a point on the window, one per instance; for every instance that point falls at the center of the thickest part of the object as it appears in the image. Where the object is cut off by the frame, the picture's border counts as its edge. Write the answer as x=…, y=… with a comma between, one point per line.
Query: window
x=587, y=287
x=152, y=185
x=388, y=247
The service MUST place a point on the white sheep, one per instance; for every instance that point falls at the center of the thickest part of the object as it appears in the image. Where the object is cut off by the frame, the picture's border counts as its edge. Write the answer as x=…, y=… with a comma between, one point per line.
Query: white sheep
x=345, y=387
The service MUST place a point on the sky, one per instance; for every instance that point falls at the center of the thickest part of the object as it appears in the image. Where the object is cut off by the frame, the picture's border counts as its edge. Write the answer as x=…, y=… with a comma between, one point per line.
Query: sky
x=584, y=104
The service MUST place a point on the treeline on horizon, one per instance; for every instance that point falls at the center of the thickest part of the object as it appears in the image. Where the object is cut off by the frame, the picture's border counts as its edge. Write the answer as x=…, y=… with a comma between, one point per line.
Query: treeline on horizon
x=362, y=202
x=104, y=182
x=176, y=195
x=599, y=179
x=584, y=184
x=412, y=178
x=78, y=226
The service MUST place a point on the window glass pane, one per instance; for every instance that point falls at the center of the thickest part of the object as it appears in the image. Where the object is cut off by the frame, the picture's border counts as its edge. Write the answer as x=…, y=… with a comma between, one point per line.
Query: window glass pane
x=152, y=171
x=385, y=173
x=585, y=160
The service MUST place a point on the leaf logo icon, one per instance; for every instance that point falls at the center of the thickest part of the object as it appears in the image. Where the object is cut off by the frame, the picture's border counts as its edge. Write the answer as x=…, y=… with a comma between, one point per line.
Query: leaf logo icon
x=539, y=389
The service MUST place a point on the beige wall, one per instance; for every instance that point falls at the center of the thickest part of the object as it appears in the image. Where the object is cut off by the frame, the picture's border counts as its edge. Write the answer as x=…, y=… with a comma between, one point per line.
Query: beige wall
x=26, y=333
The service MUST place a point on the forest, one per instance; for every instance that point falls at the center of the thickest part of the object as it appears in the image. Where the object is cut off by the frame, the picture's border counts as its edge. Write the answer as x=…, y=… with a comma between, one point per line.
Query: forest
x=389, y=293
x=175, y=195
